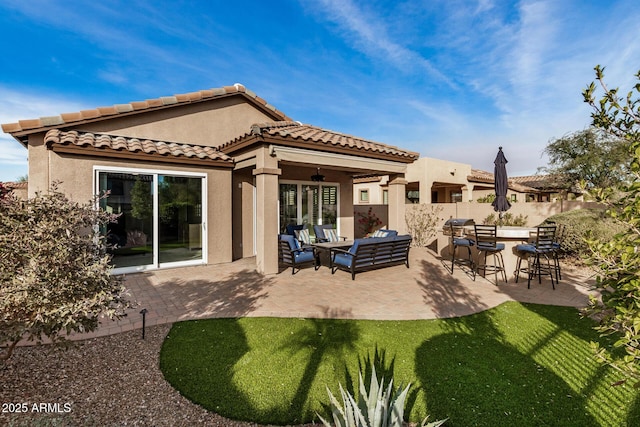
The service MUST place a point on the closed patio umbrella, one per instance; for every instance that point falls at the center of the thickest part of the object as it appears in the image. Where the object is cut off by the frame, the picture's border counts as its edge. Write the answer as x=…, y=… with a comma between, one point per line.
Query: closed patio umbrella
x=500, y=204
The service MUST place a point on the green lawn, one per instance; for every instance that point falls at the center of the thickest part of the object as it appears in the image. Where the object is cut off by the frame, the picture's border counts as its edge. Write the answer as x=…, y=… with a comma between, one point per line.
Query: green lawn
x=515, y=365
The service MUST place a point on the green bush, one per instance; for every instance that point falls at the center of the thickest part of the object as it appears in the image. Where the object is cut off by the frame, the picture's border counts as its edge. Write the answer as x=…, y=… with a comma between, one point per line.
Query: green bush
x=582, y=223
x=508, y=219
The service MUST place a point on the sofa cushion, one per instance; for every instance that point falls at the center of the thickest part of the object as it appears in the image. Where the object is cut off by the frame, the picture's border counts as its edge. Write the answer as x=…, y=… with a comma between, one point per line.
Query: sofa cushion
x=293, y=242
x=304, y=256
x=344, y=260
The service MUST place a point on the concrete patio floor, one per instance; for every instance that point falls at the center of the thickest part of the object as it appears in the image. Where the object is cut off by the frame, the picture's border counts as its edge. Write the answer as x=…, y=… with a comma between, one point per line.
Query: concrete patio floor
x=426, y=290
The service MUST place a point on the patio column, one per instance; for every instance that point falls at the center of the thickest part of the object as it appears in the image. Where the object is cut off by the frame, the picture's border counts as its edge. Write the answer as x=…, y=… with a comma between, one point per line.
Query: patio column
x=397, y=195
x=266, y=174
x=468, y=190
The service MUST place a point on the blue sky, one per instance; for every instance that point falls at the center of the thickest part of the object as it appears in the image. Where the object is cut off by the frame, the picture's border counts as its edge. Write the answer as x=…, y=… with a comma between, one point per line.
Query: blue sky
x=449, y=79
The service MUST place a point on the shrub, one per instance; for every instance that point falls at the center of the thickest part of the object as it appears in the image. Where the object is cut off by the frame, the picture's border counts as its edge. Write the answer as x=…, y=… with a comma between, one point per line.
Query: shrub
x=487, y=199
x=55, y=276
x=581, y=224
x=368, y=221
x=422, y=222
x=508, y=219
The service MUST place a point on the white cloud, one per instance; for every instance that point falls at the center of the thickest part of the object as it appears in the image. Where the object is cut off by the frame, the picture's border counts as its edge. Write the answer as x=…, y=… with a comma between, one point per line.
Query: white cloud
x=367, y=32
x=19, y=106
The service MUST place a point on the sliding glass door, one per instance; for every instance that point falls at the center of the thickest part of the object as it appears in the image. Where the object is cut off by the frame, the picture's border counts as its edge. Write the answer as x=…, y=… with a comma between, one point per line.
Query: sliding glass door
x=160, y=220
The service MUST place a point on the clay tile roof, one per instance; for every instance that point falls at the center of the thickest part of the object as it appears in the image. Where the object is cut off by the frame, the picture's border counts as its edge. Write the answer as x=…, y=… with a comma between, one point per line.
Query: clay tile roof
x=478, y=175
x=536, y=181
x=22, y=185
x=318, y=138
x=112, y=142
x=44, y=123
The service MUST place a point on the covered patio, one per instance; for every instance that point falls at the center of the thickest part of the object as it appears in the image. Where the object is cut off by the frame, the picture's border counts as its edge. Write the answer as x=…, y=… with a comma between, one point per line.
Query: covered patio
x=290, y=173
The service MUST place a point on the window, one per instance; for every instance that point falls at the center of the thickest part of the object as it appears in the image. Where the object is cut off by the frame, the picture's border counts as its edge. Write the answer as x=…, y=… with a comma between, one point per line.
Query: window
x=385, y=197
x=514, y=197
x=456, y=197
x=161, y=218
x=364, y=196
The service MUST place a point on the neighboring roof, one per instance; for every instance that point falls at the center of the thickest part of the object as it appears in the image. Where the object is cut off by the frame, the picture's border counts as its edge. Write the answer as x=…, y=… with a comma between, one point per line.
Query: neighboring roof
x=362, y=179
x=21, y=185
x=541, y=182
x=478, y=175
x=306, y=136
x=119, y=146
x=25, y=127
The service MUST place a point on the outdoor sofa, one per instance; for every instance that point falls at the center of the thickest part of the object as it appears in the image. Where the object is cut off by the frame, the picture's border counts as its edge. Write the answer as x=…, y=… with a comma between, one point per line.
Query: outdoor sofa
x=371, y=253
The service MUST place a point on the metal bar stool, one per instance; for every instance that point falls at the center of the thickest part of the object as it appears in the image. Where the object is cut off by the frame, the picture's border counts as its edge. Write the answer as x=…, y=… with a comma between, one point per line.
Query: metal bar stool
x=457, y=241
x=486, y=243
x=542, y=248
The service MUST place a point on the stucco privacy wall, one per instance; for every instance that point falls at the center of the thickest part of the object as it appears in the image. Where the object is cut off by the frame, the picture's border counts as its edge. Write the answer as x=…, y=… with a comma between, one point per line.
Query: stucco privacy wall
x=76, y=173
x=210, y=123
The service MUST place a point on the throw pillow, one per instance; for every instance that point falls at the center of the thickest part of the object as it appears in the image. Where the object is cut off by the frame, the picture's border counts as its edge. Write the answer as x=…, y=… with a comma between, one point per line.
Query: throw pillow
x=303, y=236
x=331, y=235
x=380, y=233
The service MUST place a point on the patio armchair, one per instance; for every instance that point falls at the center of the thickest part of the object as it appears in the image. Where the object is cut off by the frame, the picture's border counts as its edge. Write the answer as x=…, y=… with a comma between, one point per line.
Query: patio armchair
x=327, y=233
x=291, y=253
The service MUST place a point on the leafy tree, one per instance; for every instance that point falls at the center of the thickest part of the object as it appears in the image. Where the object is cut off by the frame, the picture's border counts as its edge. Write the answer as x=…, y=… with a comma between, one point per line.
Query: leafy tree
x=54, y=271
x=590, y=158
x=141, y=200
x=618, y=260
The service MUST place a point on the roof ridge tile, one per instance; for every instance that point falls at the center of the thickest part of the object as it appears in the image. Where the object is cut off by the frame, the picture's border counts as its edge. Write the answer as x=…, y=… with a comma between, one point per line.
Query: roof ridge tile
x=63, y=119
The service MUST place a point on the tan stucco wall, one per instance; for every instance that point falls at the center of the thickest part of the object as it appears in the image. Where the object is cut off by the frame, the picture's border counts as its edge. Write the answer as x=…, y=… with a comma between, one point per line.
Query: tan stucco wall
x=375, y=191
x=209, y=123
x=243, y=214
x=76, y=174
x=428, y=171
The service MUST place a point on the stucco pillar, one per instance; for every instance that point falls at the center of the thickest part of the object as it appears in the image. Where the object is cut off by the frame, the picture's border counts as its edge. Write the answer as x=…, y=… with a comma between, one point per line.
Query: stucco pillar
x=468, y=189
x=397, y=194
x=266, y=173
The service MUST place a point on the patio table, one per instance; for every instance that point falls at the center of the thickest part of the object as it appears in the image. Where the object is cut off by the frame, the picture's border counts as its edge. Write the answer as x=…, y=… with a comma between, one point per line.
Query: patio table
x=511, y=236
x=325, y=247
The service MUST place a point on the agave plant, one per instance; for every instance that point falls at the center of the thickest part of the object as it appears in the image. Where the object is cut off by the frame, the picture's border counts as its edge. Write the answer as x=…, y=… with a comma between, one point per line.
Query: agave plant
x=378, y=407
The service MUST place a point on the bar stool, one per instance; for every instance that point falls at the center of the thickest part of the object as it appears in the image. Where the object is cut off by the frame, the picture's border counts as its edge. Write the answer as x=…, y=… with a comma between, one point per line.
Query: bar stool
x=486, y=243
x=458, y=241
x=543, y=247
x=557, y=250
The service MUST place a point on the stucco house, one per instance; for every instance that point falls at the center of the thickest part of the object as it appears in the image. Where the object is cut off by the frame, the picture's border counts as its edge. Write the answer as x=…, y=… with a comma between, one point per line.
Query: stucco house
x=206, y=177
x=432, y=180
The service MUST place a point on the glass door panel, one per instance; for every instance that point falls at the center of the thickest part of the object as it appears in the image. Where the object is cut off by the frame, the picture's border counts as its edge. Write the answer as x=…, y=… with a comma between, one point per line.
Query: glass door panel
x=329, y=204
x=310, y=205
x=180, y=218
x=288, y=205
x=131, y=237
